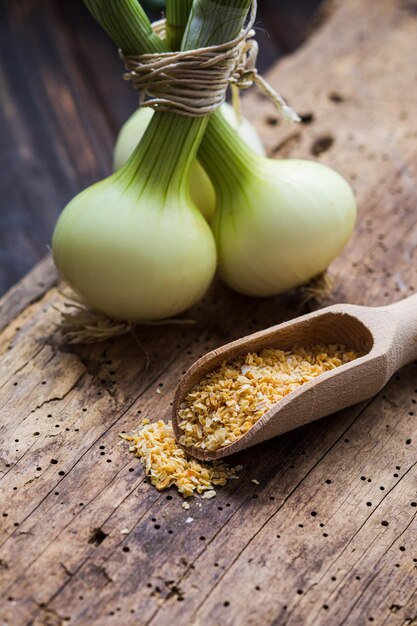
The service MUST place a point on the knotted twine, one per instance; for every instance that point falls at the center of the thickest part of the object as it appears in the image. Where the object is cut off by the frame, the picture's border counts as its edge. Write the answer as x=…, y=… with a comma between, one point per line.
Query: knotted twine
x=194, y=83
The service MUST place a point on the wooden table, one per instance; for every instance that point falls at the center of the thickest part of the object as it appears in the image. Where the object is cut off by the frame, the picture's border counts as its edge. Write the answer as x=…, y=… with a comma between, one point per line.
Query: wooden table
x=328, y=536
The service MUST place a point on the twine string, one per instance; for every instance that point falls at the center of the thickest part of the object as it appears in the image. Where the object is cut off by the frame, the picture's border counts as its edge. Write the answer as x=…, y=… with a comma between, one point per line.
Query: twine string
x=194, y=82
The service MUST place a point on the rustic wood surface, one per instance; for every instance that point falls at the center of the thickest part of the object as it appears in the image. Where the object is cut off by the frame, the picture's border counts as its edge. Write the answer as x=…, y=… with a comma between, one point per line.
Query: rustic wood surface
x=328, y=536
x=60, y=112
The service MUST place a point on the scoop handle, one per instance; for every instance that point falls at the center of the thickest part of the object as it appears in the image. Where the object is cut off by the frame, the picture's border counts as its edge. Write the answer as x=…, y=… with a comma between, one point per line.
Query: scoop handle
x=404, y=316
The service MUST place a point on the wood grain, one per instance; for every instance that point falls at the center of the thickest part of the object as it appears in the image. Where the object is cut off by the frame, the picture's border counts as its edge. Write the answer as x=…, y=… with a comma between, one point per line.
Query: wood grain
x=328, y=536
x=55, y=137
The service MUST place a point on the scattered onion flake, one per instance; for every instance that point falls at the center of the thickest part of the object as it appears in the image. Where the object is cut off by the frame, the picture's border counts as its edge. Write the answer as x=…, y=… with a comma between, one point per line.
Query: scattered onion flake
x=167, y=464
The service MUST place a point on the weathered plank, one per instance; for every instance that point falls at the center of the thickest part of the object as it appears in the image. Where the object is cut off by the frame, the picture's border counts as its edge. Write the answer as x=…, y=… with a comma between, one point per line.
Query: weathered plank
x=55, y=135
x=28, y=290
x=329, y=534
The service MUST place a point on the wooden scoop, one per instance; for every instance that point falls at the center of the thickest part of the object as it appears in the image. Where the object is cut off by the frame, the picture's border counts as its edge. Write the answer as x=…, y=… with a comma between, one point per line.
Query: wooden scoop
x=386, y=335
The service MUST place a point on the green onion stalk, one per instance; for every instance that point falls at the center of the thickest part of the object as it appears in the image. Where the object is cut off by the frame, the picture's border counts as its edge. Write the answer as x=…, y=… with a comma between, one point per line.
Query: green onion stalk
x=278, y=223
x=202, y=192
x=201, y=187
x=177, y=15
x=134, y=246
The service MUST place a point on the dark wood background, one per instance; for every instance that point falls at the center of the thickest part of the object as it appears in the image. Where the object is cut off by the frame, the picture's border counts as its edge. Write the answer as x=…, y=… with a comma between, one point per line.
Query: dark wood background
x=62, y=101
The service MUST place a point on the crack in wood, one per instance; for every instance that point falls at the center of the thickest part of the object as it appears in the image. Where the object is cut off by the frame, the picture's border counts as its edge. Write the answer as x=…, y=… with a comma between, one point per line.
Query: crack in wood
x=97, y=537
x=66, y=570
x=48, y=617
x=57, y=398
x=287, y=143
x=23, y=366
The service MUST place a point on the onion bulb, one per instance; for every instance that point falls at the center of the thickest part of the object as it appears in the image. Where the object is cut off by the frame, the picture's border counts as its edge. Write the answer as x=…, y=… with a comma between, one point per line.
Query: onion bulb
x=134, y=246
x=277, y=223
x=201, y=188
x=282, y=226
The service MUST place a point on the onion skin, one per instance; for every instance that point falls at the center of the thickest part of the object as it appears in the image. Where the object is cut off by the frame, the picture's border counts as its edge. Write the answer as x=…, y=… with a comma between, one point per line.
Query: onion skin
x=284, y=226
x=134, y=261
x=201, y=188
x=245, y=129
